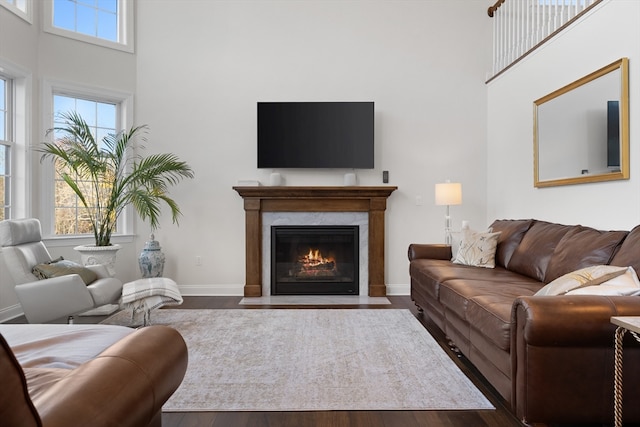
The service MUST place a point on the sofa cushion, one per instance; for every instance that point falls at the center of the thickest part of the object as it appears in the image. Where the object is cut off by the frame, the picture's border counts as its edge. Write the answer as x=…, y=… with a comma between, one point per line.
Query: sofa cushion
x=629, y=252
x=589, y=276
x=582, y=247
x=16, y=408
x=511, y=233
x=438, y=271
x=477, y=249
x=455, y=294
x=491, y=316
x=534, y=252
x=427, y=273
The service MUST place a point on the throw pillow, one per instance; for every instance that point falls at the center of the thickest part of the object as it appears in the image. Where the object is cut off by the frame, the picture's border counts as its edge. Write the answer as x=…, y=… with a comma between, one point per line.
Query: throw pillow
x=456, y=239
x=62, y=267
x=626, y=284
x=589, y=276
x=477, y=249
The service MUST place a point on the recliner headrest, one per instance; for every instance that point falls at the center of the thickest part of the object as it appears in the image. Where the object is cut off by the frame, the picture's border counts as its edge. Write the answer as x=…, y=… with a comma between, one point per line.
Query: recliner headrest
x=15, y=232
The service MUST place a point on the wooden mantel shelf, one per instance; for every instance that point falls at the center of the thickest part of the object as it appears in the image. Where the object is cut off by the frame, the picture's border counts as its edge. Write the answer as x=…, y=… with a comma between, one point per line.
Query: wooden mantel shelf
x=338, y=192
x=314, y=199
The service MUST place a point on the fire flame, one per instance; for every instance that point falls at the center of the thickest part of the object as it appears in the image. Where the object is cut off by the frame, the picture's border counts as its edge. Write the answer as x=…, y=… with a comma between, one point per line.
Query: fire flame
x=315, y=258
x=314, y=264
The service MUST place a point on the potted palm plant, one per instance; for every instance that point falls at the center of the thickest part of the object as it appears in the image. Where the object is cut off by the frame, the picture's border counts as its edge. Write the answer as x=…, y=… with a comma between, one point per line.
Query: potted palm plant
x=109, y=175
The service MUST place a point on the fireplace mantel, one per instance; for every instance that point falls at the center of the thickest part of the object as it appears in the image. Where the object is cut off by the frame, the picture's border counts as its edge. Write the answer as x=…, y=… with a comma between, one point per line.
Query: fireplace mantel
x=314, y=199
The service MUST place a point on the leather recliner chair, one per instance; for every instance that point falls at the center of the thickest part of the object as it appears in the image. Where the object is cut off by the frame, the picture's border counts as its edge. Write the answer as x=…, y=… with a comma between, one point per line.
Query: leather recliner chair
x=57, y=297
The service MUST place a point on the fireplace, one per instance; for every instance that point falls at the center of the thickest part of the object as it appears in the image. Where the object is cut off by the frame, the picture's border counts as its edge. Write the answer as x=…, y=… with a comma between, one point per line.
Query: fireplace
x=260, y=201
x=315, y=260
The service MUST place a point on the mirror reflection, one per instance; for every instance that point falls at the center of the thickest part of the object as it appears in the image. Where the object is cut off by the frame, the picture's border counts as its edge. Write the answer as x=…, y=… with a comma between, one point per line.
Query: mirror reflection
x=581, y=131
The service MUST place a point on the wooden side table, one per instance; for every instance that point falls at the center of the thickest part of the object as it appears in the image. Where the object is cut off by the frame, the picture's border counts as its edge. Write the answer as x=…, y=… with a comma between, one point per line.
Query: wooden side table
x=625, y=324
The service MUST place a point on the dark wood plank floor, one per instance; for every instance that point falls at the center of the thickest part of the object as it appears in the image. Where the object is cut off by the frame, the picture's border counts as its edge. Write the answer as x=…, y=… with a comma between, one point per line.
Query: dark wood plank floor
x=499, y=417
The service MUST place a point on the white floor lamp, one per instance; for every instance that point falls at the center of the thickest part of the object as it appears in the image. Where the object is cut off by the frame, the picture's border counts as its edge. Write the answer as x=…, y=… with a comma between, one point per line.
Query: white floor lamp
x=447, y=194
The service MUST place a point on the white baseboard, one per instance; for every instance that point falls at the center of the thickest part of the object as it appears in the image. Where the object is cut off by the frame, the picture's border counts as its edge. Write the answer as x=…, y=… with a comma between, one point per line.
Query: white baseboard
x=398, y=289
x=212, y=290
x=238, y=290
x=10, y=312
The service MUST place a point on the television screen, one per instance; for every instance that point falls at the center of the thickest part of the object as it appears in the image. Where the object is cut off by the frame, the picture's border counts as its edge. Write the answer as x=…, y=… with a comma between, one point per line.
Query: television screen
x=315, y=135
x=613, y=134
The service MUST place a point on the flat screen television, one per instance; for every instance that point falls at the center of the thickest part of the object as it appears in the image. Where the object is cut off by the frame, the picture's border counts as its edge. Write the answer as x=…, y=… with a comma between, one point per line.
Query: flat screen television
x=315, y=135
x=613, y=134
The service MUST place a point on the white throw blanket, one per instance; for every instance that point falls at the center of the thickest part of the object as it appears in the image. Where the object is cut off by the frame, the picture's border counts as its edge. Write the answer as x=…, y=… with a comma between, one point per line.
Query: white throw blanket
x=150, y=293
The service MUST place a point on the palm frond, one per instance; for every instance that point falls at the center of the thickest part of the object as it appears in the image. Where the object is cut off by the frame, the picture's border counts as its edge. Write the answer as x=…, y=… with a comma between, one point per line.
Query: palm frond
x=117, y=175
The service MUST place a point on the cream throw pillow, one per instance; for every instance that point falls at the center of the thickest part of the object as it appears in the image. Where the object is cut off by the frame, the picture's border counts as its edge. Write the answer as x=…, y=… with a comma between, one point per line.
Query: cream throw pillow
x=477, y=249
x=626, y=284
x=62, y=267
x=456, y=239
x=585, y=277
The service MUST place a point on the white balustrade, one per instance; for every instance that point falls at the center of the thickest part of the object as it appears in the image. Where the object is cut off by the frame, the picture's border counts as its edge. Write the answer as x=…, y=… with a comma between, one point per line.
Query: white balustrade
x=520, y=25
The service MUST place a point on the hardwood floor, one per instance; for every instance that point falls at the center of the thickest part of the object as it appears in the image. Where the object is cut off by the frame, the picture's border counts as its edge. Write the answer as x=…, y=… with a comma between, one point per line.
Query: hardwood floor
x=498, y=417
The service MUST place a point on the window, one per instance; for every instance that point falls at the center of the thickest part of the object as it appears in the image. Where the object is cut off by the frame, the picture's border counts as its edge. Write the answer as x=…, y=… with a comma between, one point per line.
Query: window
x=69, y=213
x=15, y=89
x=91, y=17
x=21, y=8
x=103, y=22
x=6, y=137
x=105, y=111
x=18, y=4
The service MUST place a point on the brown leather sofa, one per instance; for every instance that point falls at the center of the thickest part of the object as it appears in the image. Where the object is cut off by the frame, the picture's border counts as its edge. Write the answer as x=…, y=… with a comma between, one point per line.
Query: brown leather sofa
x=45, y=384
x=550, y=357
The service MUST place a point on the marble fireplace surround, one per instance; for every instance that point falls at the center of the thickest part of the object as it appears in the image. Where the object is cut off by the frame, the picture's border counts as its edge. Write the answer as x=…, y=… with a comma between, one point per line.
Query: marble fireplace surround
x=363, y=206
x=316, y=218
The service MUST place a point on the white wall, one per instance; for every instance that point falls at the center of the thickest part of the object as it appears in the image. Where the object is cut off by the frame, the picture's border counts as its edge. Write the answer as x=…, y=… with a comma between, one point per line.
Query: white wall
x=605, y=35
x=202, y=66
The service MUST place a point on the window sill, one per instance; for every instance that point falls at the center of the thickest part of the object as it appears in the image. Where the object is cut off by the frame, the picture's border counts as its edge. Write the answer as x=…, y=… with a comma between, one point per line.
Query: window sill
x=61, y=241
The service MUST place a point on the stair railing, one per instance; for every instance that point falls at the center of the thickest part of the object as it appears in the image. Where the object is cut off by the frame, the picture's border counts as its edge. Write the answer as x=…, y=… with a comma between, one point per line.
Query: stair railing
x=520, y=26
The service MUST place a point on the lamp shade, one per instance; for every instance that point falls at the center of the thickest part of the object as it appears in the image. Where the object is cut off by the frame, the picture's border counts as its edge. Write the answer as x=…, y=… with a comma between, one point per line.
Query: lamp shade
x=449, y=193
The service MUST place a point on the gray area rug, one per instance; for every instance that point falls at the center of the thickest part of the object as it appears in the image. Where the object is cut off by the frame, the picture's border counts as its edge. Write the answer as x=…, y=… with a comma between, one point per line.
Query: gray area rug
x=312, y=360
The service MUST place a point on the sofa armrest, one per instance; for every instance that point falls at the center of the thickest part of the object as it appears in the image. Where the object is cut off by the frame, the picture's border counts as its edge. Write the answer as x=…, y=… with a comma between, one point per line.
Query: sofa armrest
x=429, y=251
x=126, y=385
x=562, y=358
x=50, y=299
x=570, y=320
x=100, y=270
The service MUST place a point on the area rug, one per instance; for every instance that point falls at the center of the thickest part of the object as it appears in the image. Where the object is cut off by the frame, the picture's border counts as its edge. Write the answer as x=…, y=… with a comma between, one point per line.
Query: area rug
x=313, y=360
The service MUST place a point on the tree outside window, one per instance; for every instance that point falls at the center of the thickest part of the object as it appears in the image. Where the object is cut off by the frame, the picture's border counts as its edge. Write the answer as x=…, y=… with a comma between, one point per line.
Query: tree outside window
x=70, y=216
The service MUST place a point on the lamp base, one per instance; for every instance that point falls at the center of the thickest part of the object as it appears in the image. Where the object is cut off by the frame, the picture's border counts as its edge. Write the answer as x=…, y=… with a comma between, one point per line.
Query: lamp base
x=447, y=228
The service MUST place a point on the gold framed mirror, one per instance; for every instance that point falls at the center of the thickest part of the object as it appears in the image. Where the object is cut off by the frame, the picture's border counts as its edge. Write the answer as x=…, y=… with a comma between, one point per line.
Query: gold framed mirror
x=581, y=131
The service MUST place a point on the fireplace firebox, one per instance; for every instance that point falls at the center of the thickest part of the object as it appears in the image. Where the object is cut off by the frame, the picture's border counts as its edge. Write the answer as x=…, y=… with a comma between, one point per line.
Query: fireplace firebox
x=315, y=260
